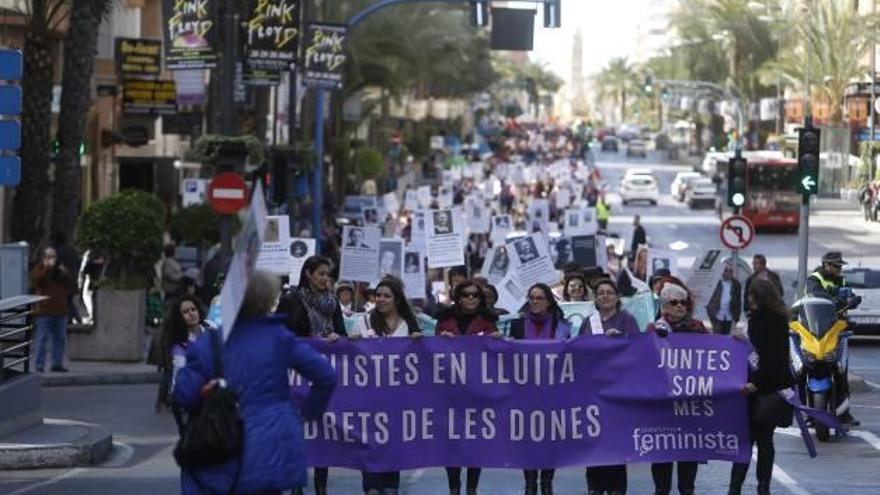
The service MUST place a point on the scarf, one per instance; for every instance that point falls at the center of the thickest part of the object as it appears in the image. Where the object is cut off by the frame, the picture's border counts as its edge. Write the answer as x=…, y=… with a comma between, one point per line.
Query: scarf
x=537, y=324
x=320, y=308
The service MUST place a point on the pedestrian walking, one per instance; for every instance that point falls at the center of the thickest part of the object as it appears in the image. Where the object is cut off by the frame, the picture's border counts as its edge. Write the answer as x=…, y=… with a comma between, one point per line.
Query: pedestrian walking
x=725, y=305
x=182, y=325
x=760, y=270
x=609, y=319
x=51, y=278
x=255, y=359
x=640, y=237
x=603, y=213
x=310, y=309
x=171, y=273
x=676, y=315
x=392, y=317
x=768, y=333
x=540, y=318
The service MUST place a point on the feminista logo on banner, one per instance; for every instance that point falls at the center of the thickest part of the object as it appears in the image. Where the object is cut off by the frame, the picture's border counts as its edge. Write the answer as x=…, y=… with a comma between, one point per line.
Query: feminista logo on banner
x=408, y=404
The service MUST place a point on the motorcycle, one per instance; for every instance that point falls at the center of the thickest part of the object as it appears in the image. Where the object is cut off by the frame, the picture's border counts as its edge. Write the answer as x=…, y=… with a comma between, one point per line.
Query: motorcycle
x=819, y=342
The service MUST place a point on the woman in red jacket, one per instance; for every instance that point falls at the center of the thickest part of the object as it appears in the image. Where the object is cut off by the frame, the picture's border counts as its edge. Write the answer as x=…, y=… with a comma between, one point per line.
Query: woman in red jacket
x=469, y=315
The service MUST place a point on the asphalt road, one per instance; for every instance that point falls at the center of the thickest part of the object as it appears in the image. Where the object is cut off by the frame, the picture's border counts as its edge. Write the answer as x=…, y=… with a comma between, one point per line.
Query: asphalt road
x=142, y=464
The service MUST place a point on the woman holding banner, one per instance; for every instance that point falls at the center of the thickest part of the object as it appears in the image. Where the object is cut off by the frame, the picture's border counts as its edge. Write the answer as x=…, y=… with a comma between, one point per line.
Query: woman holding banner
x=469, y=315
x=313, y=310
x=768, y=333
x=610, y=320
x=392, y=317
x=542, y=318
x=676, y=315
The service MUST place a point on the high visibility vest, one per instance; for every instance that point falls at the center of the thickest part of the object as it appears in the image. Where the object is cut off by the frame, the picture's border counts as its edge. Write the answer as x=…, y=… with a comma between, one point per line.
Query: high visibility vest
x=829, y=285
x=602, y=211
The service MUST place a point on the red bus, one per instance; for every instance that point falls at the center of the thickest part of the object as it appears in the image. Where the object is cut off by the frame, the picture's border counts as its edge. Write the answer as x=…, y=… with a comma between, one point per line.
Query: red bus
x=772, y=199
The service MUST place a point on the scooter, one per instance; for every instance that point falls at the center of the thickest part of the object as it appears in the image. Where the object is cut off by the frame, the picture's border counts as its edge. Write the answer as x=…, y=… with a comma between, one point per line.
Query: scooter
x=818, y=340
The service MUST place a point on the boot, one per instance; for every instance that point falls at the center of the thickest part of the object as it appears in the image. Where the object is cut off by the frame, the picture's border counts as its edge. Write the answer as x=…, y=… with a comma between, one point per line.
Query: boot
x=546, y=488
x=531, y=482
x=847, y=419
x=738, y=475
x=763, y=489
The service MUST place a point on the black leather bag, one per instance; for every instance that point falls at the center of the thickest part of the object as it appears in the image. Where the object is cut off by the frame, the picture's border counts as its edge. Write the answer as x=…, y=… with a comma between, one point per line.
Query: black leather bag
x=771, y=409
x=215, y=432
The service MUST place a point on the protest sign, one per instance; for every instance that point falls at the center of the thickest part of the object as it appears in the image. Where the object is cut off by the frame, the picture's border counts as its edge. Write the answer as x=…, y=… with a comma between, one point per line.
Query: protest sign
x=704, y=276
x=498, y=404
x=424, y=195
x=274, y=251
x=444, y=197
x=244, y=260
x=511, y=296
x=478, y=216
x=360, y=254
x=580, y=221
x=190, y=31
x=583, y=248
x=497, y=264
x=390, y=258
x=560, y=250
x=391, y=204
x=418, y=233
x=370, y=215
x=501, y=226
x=445, y=245
x=300, y=249
x=660, y=259
x=531, y=261
x=411, y=200
x=539, y=216
x=414, y=279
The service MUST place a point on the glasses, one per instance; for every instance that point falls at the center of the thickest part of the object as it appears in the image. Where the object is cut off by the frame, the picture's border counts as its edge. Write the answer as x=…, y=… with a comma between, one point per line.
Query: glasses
x=677, y=302
x=575, y=286
x=470, y=295
x=606, y=293
x=537, y=298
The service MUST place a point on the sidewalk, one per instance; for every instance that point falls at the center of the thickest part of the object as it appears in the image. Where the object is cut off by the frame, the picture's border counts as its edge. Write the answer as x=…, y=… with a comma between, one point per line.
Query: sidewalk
x=101, y=373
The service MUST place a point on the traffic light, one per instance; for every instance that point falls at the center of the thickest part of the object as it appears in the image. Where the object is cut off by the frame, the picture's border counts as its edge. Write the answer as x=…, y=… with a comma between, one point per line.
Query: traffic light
x=649, y=85
x=808, y=160
x=551, y=14
x=737, y=170
x=480, y=13
x=278, y=178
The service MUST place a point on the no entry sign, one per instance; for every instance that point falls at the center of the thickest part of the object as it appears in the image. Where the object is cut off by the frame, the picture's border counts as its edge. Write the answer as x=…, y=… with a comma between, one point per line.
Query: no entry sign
x=227, y=193
x=737, y=232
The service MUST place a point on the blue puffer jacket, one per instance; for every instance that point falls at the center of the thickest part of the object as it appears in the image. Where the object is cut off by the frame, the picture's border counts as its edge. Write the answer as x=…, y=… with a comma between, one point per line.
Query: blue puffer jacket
x=256, y=358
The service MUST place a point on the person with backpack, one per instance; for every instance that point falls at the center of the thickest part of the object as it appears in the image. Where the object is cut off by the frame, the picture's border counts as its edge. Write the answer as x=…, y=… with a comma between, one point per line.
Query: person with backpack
x=245, y=435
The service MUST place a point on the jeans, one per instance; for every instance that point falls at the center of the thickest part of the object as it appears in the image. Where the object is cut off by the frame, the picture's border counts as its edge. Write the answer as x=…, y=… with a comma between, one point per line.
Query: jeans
x=56, y=328
x=662, y=474
x=607, y=478
x=453, y=475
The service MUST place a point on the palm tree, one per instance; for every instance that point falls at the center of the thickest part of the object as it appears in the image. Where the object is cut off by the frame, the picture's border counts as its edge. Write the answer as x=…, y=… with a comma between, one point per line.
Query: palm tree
x=79, y=60
x=42, y=18
x=617, y=81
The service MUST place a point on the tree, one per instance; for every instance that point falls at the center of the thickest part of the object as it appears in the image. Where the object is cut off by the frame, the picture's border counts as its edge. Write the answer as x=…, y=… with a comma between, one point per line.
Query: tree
x=617, y=81
x=80, y=47
x=42, y=18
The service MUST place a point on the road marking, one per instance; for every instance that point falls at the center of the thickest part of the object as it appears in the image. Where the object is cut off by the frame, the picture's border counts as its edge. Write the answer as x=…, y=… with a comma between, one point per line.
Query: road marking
x=872, y=384
x=50, y=481
x=867, y=407
x=867, y=436
x=785, y=480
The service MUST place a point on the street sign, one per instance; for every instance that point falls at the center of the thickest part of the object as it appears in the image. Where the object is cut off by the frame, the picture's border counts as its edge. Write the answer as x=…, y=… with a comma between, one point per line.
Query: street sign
x=10, y=99
x=10, y=135
x=228, y=193
x=10, y=170
x=11, y=65
x=737, y=232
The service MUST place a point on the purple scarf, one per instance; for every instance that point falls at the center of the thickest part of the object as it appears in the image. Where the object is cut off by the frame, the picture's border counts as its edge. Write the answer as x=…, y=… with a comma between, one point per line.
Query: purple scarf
x=539, y=326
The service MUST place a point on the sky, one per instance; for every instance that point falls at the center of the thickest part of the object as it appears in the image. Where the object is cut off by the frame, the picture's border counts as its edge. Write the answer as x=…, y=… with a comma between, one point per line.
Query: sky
x=608, y=28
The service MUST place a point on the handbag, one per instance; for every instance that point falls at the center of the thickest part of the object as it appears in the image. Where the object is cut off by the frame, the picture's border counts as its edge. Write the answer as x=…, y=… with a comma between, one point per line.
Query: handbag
x=770, y=409
x=215, y=431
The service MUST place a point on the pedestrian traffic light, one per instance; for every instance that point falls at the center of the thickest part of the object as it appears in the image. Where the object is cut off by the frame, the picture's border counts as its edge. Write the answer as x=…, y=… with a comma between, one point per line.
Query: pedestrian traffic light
x=480, y=13
x=551, y=14
x=808, y=159
x=737, y=170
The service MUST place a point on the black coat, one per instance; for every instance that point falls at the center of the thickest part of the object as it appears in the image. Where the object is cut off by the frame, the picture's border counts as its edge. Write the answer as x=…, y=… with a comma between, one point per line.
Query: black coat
x=769, y=336
x=298, y=320
x=772, y=276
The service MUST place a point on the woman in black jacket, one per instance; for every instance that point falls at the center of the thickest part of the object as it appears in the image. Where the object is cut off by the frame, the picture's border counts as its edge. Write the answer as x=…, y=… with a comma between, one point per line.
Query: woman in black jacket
x=768, y=333
x=314, y=311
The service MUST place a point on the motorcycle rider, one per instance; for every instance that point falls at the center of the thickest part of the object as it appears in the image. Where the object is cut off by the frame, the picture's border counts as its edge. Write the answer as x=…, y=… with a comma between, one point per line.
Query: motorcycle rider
x=825, y=282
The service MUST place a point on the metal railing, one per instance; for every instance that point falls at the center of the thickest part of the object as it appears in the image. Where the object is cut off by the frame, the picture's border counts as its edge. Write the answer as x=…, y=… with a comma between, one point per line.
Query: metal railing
x=16, y=332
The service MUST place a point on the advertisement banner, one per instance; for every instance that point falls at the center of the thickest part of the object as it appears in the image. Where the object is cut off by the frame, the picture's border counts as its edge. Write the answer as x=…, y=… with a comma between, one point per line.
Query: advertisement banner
x=148, y=97
x=325, y=55
x=138, y=58
x=405, y=403
x=273, y=31
x=190, y=31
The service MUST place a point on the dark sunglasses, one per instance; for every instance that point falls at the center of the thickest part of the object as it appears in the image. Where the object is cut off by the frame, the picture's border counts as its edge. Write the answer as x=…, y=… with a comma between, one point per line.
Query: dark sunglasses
x=471, y=295
x=677, y=302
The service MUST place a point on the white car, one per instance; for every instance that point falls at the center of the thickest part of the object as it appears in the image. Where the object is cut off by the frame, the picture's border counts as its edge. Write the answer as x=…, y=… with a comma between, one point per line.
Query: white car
x=637, y=171
x=677, y=188
x=639, y=187
x=701, y=191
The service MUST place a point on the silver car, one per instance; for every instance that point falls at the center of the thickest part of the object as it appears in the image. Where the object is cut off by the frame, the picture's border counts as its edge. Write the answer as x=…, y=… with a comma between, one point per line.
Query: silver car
x=865, y=320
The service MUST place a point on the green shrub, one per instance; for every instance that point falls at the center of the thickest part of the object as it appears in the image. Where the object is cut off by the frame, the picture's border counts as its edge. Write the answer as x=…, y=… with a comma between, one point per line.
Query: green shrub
x=369, y=163
x=198, y=226
x=126, y=229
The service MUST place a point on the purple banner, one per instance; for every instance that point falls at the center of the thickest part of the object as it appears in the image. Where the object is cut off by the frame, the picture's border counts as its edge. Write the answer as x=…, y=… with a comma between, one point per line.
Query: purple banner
x=406, y=403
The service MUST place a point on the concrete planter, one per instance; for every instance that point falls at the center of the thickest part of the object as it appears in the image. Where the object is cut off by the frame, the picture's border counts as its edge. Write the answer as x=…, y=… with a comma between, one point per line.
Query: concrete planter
x=118, y=333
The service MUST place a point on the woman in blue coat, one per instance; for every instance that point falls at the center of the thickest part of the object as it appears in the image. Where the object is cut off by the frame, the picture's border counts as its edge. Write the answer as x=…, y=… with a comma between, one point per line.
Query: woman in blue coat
x=256, y=357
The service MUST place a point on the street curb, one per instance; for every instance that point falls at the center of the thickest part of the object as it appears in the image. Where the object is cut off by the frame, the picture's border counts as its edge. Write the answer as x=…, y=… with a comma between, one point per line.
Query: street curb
x=858, y=385
x=89, y=450
x=74, y=380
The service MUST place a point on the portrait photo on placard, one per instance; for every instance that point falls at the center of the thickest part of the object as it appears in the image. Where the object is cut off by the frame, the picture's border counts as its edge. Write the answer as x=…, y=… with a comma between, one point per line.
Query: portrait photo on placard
x=356, y=238
x=390, y=254
x=273, y=233
x=411, y=262
x=442, y=222
x=526, y=250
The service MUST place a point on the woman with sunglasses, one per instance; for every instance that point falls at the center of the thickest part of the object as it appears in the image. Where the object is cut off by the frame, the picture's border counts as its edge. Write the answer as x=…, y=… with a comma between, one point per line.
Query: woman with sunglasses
x=542, y=318
x=468, y=315
x=610, y=320
x=392, y=317
x=676, y=315
x=575, y=289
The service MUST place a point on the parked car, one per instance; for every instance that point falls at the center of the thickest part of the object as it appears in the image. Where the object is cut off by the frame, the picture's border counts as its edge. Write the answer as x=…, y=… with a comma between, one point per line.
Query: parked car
x=637, y=147
x=676, y=189
x=865, y=320
x=638, y=171
x=639, y=187
x=701, y=192
x=710, y=166
x=610, y=143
